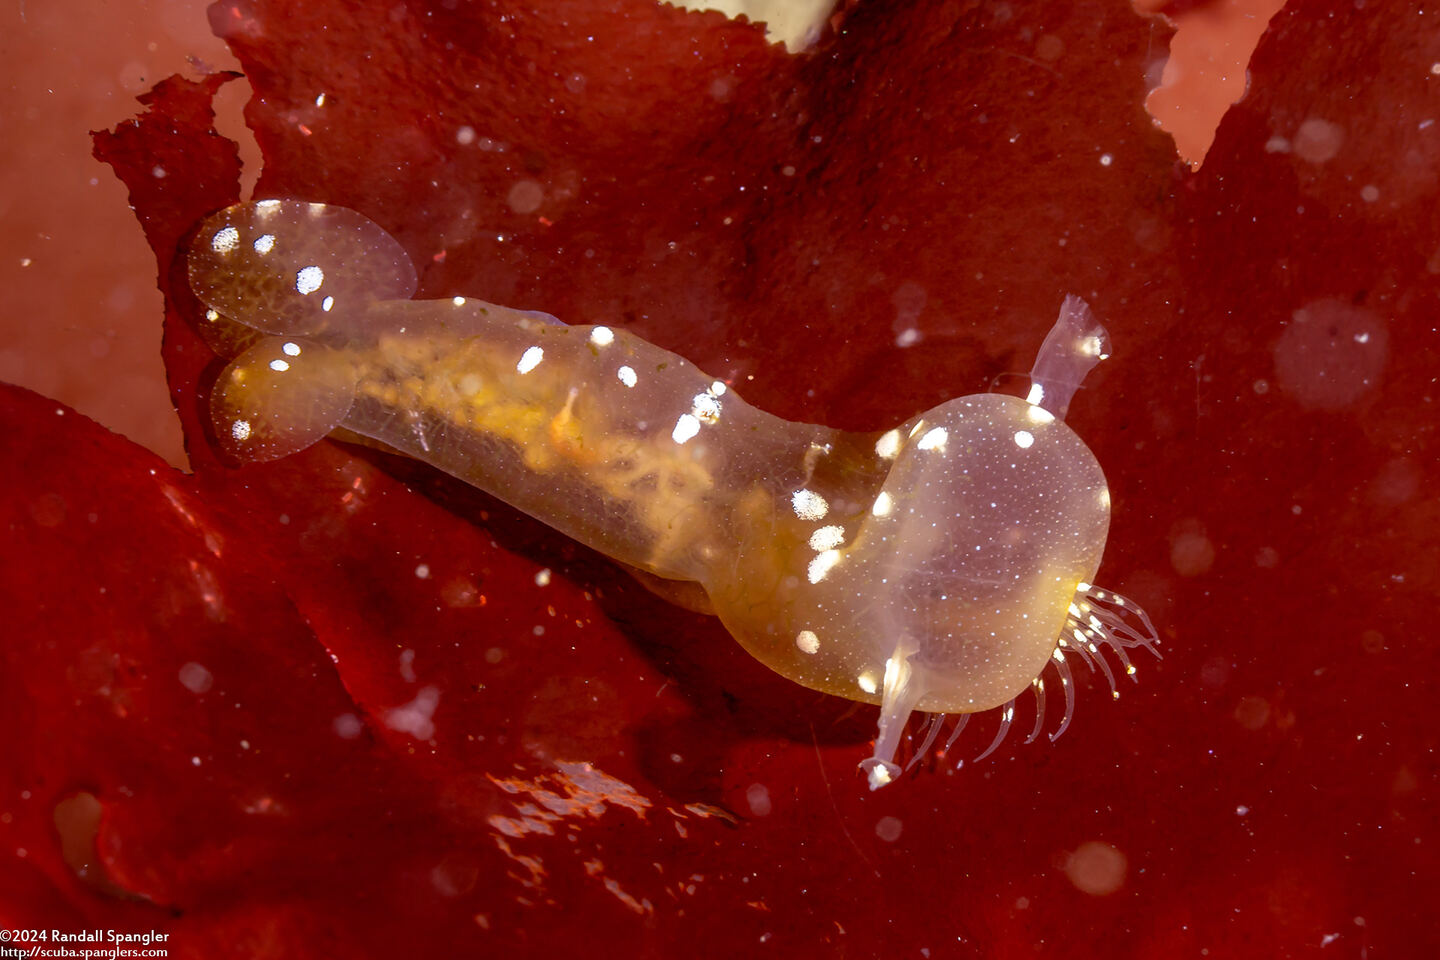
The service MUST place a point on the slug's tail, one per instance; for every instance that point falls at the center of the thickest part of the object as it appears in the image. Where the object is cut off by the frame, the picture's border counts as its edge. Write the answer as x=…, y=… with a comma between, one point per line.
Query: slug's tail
x=290, y=284
x=295, y=269
x=280, y=396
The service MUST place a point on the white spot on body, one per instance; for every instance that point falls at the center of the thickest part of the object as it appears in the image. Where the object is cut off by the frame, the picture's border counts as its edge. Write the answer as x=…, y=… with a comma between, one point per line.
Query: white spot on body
x=1039, y=415
x=240, y=430
x=265, y=243
x=225, y=240
x=685, y=428
x=626, y=375
x=602, y=336
x=705, y=408
x=807, y=642
x=821, y=566
x=530, y=359
x=934, y=439
x=279, y=366
x=308, y=280
x=1024, y=439
x=888, y=446
x=809, y=505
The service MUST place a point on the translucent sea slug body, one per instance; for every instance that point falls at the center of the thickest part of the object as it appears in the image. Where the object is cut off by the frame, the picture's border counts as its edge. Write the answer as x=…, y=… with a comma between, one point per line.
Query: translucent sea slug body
x=940, y=566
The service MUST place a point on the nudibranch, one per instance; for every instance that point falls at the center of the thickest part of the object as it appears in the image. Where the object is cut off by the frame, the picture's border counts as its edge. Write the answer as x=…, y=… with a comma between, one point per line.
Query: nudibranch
x=941, y=566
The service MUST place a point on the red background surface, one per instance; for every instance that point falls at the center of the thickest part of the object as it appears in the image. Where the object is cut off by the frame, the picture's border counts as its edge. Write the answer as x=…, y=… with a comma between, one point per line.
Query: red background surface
x=1267, y=425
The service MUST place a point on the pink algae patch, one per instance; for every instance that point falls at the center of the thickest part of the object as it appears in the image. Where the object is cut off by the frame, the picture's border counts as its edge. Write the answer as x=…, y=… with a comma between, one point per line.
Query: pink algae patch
x=1207, y=69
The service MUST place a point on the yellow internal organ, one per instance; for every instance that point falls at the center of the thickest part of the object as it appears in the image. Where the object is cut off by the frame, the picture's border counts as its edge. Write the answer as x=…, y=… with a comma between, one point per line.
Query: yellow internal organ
x=553, y=424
